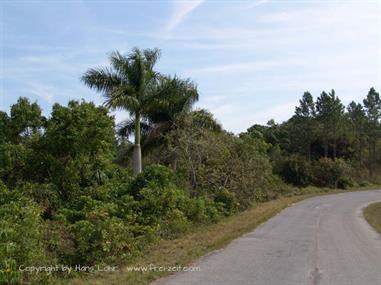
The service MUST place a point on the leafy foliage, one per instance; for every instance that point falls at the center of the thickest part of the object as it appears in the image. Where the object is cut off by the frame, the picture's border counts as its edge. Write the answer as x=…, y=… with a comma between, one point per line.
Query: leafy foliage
x=322, y=129
x=132, y=84
x=68, y=196
x=20, y=238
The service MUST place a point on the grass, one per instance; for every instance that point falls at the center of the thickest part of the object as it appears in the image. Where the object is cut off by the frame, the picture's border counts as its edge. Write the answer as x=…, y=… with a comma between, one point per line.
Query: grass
x=198, y=242
x=372, y=214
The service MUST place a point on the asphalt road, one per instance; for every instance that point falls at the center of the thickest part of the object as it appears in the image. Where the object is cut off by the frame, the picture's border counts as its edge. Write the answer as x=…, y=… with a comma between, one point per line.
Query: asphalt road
x=321, y=240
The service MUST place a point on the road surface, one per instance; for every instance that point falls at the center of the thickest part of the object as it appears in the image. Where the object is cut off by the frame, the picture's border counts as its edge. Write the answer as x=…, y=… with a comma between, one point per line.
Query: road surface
x=319, y=241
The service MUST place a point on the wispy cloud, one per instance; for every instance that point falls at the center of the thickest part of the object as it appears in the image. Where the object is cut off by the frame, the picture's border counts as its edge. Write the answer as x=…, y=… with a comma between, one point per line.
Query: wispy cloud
x=321, y=25
x=256, y=4
x=181, y=10
x=250, y=66
x=43, y=91
x=252, y=60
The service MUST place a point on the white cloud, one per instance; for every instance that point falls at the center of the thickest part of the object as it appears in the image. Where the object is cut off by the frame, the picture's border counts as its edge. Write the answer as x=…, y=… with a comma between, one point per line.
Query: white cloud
x=43, y=91
x=334, y=22
x=244, y=61
x=256, y=4
x=250, y=66
x=181, y=10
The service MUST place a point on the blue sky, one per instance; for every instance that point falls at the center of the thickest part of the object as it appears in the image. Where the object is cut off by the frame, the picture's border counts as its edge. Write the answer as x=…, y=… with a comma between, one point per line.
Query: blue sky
x=251, y=60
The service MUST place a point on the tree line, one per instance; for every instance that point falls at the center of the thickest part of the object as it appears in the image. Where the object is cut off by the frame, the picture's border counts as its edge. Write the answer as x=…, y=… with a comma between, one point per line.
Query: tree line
x=75, y=190
x=324, y=128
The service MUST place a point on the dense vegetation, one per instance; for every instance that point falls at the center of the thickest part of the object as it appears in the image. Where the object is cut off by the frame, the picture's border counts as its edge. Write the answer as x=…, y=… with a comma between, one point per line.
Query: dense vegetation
x=326, y=144
x=68, y=194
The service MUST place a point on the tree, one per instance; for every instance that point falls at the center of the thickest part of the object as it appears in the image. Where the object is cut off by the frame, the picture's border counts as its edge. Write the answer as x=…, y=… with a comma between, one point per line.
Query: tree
x=304, y=124
x=126, y=85
x=26, y=119
x=17, y=133
x=330, y=114
x=306, y=108
x=174, y=97
x=272, y=132
x=357, y=119
x=132, y=84
x=77, y=146
x=4, y=127
x=372, y=105
x=203, y=119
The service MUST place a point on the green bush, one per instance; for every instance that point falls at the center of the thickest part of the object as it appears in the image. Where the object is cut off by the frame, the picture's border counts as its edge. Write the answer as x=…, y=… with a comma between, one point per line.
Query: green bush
x=152, y=176
x=228, y=201
x=297, y=170
x=20, y=239
x=324, y=172
x=108, y=224
x=212, y=160
x=203, y=210
x=174, y=224
x=45, y=195
x=103, y=229
x=102, y=238
x=332, y=173
x=58, y=242
x=156, y=203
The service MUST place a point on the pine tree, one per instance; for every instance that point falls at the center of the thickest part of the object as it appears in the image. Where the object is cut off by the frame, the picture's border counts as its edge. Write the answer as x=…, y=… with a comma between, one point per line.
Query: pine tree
x=372, y=105
x=330, y=114
x=357, y=119
x=304, y=123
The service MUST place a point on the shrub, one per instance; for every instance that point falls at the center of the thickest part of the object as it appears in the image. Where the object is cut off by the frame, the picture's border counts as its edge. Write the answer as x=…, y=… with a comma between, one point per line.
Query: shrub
x=212, y=160
x=58, y=242
x=103, y=238
x=20, y=238
x=174, y=224
x=103, y=229
x=297, y=170
x=45, y=195
x=203, y=210
x=332, y=173
x=156, y=203
x=228, y=200
x=153, y=176
x=261, y=195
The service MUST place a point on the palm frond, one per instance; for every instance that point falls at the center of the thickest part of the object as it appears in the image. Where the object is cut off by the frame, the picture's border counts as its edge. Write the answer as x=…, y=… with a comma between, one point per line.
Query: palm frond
x=151, y=57
x=102, y=79
x=136, y=70
x=170, y=96
x=120, y=63
x=127, y=128
x=122, y=97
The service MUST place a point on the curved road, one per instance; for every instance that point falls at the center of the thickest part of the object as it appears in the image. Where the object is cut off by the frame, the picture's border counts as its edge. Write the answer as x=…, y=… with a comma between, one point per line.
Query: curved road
x=319, y=241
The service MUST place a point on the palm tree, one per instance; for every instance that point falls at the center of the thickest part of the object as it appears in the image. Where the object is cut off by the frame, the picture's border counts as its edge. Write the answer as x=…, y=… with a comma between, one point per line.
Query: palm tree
x=128, y=85
x=151, y=98
x=174, y=97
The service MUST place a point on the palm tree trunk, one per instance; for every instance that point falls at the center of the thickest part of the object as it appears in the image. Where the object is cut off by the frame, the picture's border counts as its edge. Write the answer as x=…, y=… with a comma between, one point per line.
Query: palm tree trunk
x=137, y=154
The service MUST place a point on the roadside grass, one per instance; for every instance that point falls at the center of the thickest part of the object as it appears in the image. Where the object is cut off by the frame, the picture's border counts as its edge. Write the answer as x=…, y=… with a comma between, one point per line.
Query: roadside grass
x=198, y=242
x=372, y=214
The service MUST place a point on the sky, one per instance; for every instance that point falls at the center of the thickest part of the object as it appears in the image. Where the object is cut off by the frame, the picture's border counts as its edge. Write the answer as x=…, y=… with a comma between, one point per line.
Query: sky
x=251, y=60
